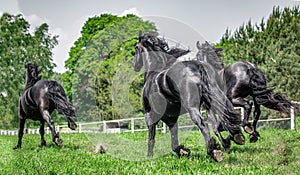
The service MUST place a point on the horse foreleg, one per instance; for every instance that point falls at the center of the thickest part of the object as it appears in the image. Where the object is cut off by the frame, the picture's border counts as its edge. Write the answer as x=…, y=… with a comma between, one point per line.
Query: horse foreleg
x=21, y=132
x=247, y=105
x=213, y=149
x=254, y=136
x=42, y=133
x=55, y=136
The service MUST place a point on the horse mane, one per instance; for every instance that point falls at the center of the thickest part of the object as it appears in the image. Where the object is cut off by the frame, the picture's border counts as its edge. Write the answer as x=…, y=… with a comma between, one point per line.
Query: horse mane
x=210, y=55
x=172, y=54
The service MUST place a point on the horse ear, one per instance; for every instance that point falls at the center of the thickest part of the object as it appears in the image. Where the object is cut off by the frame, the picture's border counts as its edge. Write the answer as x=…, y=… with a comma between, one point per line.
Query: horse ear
x=198, y=45
x=26, y=65
x=140, y=35
x=39, y=70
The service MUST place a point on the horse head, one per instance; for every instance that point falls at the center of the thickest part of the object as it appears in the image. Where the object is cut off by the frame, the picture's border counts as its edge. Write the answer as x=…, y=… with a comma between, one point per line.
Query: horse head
x=32, y=73
x=150, y=52
x=154, y=53
x=209, y=54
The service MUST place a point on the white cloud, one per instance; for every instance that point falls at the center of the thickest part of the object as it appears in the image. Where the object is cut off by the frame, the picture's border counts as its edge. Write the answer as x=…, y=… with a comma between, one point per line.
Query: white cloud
x=35, y=21
x=60, y=52
x=131, y=11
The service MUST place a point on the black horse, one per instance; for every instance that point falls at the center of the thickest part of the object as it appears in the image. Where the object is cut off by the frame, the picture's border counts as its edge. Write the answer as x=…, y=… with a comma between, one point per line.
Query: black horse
x=174, y=89
x=244, y=79
x=38, y=100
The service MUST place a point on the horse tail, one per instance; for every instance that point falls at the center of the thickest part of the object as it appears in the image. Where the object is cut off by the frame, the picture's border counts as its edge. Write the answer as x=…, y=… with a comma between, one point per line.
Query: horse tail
x=265, y=96
x=57, y=94
x=215, y=99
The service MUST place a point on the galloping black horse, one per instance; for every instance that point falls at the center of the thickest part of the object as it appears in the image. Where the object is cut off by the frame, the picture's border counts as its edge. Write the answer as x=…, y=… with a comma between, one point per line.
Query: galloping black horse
x=244, y=79
x=38, y=100
x=174, y=89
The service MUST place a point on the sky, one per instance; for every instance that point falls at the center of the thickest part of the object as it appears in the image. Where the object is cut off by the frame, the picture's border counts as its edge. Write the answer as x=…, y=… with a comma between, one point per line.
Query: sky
x=183, y=22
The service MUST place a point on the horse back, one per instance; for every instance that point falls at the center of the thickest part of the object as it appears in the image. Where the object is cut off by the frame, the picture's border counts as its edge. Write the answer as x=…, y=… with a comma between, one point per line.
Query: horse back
x=35, y=98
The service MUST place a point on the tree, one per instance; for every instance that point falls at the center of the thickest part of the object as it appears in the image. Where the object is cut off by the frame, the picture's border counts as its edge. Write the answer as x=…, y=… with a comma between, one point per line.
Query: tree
x=93, y=65
x=18, y=45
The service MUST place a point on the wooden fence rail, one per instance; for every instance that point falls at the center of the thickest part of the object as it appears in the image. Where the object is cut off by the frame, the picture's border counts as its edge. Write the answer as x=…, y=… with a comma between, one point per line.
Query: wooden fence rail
x=106, y=126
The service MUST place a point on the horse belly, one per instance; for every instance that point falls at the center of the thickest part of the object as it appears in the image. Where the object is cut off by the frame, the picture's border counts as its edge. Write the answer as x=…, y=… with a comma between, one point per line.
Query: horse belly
x=173, y=109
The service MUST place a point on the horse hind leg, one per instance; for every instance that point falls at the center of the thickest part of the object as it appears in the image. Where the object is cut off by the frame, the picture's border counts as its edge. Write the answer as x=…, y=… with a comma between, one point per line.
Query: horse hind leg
x=180, y=150
x=20, y=132
x=42, y=133
x=254, y=135
x=151, y=134
x=55, y=136
x=71, y=123
x=225, y=142
x=213, y=149
x=247, y=106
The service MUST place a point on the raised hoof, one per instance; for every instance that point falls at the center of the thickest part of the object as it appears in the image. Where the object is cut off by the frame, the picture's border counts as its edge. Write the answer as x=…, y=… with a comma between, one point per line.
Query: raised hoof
x=217, y=155
x=239, y=139
x=248, y=129
x=72, y=126
x=253, y=138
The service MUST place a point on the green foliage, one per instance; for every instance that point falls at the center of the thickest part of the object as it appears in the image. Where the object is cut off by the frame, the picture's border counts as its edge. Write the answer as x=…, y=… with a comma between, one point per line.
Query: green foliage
x=273, y=45
x=277, y=152
x=93, y=63
x=91, y=27
x=18, y=45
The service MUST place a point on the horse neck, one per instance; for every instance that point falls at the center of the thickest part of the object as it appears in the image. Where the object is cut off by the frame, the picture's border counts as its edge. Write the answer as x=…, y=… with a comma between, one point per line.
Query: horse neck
x=155, y=61
x=29, y=82
x=214, y=62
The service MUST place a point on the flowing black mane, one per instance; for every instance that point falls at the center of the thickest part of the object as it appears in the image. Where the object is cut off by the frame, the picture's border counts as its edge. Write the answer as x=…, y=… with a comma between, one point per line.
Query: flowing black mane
x=211, y=55
x=160, y=44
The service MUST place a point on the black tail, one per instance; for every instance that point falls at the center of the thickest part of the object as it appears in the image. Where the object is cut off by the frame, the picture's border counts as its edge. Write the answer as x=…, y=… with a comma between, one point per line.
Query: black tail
x=218, y=102
x=58, y=96
x=265, y=96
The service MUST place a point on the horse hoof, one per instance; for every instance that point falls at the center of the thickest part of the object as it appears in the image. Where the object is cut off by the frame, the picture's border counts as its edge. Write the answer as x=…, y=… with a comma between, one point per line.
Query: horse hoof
x=253, y=138
x=43, y=143
x=217, y=155
x=73, y=126
x=239, y=139
x=17, y=147
x=248, y=129
x=58, y=141
x=184, y=152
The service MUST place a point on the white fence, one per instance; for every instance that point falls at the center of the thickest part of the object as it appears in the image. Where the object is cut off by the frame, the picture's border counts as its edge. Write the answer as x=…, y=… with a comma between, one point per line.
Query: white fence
x=133, y=125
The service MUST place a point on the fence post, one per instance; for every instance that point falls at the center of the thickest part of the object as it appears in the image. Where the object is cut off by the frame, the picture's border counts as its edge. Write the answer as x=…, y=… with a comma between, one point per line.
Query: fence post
x=293, y=120
x=132, y=125
x=104, y=126
x=164, y=128
x=80, y=128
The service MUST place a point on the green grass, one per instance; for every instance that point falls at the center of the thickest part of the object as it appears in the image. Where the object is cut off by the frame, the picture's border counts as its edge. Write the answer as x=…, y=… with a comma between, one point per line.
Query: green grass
x=276, y=152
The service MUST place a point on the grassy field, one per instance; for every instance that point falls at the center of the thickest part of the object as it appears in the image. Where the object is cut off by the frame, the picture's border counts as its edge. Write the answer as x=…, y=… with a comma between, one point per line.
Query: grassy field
x=277, y=152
